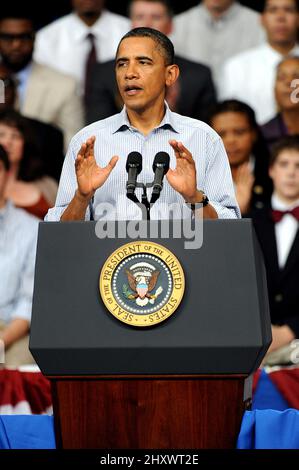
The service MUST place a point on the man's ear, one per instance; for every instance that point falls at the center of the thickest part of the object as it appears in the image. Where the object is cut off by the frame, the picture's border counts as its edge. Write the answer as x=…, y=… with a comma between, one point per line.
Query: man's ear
x=172, y=74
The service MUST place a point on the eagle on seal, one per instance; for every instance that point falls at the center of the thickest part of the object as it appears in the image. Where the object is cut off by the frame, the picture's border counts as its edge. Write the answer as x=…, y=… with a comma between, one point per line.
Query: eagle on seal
x=142, y=285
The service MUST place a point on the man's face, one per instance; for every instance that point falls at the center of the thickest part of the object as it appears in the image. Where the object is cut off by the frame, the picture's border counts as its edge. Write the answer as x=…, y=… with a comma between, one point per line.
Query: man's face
x=287, y=72
x=281, y=20
x=141, y=73
x=150, y=15
x=16, y=43
x=88, y=7
x=218, y=6
x=285, y=175
x=3, y=180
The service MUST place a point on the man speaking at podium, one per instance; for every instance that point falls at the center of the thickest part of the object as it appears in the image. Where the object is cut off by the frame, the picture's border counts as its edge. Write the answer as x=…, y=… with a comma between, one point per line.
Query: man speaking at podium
x=94, y=170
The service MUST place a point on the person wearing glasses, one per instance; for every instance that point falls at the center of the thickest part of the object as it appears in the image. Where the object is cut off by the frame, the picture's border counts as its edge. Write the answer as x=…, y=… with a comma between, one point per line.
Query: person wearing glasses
x=43, y=93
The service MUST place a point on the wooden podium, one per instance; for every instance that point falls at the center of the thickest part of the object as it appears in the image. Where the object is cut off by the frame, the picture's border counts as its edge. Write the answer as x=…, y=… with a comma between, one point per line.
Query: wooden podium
x=182, y=384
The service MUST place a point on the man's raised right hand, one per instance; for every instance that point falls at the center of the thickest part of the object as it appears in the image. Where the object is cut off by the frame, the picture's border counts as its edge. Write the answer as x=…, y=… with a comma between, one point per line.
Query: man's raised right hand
x=90, y=176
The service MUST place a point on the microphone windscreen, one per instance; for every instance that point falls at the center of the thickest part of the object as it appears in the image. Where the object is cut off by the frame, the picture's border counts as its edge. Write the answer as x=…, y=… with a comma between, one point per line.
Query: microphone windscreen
x=161, y=158
x=134, y=160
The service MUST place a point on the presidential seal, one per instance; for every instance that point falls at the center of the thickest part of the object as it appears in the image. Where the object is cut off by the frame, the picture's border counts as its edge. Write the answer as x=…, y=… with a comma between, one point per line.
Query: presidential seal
x=142, y=283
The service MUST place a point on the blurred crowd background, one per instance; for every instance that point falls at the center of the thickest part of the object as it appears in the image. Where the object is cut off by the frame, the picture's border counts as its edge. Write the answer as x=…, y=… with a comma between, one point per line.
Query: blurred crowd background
x=50, y=11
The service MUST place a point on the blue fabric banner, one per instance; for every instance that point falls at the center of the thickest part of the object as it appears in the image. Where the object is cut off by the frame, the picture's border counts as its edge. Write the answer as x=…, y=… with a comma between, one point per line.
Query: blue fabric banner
x=27, y=432
x=269, y=429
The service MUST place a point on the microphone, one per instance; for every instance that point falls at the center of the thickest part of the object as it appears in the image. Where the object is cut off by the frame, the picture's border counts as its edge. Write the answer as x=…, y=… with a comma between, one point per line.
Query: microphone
x=133, y=167
x=160, y=168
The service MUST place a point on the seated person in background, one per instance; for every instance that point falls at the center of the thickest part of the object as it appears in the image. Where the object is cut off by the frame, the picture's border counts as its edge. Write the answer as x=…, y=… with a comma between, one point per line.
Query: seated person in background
x=28, y=186
x=49, y=138
x=192, y=94
x=277, y=230
x=286, y=122
x=43, y=92
x=66, y=43
x=17, y=258
x=250, y=76
x=215, y=30
x=235, y=122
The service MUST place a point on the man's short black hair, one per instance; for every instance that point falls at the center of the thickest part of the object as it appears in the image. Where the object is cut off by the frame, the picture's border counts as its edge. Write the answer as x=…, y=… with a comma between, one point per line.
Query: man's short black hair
x=162, y=41
x=290, y=142
x=4, y=158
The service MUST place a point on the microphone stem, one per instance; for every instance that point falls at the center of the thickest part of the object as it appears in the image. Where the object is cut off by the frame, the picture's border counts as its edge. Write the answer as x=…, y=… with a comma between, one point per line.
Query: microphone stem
x=146, y=203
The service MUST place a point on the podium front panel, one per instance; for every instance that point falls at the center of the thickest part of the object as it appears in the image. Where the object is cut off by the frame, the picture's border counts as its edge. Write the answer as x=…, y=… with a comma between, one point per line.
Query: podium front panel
x=222, y=325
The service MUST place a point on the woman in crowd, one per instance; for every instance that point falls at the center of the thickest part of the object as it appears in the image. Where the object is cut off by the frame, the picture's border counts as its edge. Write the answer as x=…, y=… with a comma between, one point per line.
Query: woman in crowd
x=28, y=186
x=248, y=155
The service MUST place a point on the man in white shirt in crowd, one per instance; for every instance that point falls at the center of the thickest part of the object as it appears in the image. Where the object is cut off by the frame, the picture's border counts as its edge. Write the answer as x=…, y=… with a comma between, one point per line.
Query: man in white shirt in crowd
x=250, y=76
x=214, y=31
x=66, y=43
x=18, y=234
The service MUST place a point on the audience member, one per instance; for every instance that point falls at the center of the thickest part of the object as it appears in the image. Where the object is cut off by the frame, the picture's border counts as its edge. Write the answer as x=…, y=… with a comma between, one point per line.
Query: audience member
x=277, y=230
x=250, y=76
x=43, y=93
x=247, y=152
x=28, y=186
x=18, y=231
x=71, y=43
x=49, y=138
x=214, y=31
x=286, y=122
x=192, y=94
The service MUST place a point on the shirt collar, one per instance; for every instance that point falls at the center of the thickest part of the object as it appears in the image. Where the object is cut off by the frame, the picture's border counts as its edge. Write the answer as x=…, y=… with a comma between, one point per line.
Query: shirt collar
x=232, y=12
x=278, y=204
x=168, y=122
x=81, y=30
x=276, y=54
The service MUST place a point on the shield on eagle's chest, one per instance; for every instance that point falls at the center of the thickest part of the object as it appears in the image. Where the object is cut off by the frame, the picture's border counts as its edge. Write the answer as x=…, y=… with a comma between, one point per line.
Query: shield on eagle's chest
x=141, y=290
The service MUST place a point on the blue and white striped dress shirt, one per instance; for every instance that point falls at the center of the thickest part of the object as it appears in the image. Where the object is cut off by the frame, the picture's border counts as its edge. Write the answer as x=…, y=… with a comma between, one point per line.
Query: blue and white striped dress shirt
x=116, y=136
x=18, y=236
